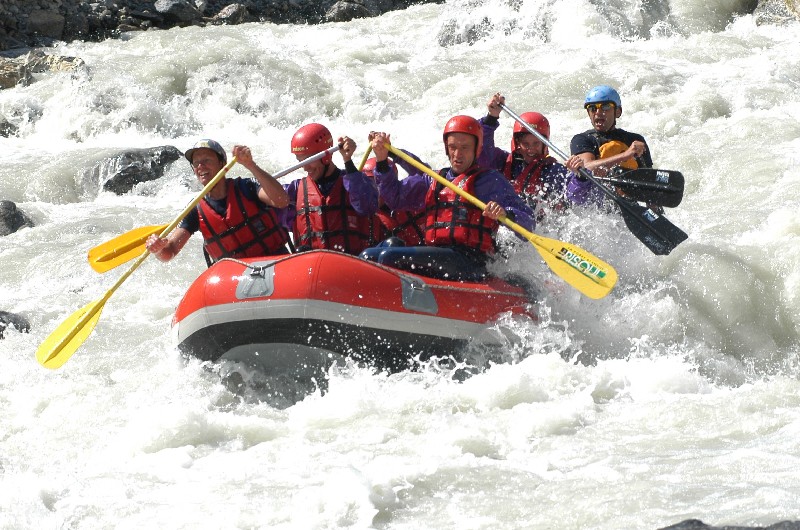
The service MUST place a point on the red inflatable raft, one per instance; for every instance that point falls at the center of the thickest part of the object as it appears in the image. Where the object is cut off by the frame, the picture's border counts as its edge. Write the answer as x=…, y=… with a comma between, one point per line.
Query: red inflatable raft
x=312, y=308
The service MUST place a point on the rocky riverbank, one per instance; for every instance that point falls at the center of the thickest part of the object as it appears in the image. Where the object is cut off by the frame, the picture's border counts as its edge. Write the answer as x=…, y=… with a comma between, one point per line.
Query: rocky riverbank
x=38, y=23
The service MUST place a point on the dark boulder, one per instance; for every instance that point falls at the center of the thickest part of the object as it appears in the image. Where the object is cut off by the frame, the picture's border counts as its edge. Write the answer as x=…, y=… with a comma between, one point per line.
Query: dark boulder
x=7, y=129
x=234, y=14
x=695, y=524
x=178, y=12
x=12, y=219
x=139, y=165
x=18, y=322
x=48, y=24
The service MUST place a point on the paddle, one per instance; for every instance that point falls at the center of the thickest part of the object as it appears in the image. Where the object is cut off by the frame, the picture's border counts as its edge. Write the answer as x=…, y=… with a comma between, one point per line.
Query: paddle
x=59, y=346
x=655, y=231
x=657, y=186
x=585, y=272
x=131, y=244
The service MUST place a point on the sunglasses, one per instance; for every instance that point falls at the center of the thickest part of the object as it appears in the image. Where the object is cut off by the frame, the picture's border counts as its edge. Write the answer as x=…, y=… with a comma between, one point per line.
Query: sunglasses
x=594, y=107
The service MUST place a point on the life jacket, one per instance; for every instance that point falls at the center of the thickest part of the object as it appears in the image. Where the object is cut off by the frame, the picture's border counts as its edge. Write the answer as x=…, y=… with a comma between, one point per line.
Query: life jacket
x=378, y=231
x=329, y=222
x=451, y=220
x=247, y=230
x=408, y=226
x=528, y=181
x=615, y=147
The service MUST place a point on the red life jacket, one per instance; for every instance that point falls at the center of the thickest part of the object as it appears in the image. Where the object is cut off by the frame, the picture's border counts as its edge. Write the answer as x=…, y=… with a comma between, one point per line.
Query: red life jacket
x=408, y=226
x=249, y=229
x=451, y=220
x=528, y=182
x=378, y=231
x=329, y=222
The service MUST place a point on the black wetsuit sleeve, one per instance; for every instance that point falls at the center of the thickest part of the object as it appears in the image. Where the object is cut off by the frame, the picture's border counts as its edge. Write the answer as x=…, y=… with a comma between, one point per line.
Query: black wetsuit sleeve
x=191, y=223
x=583, y=143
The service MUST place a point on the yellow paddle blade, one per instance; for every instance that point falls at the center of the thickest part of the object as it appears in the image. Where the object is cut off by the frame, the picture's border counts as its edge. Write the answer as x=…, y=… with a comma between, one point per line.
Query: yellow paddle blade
x=62, y=343
x=122, y=249
x=588, y=274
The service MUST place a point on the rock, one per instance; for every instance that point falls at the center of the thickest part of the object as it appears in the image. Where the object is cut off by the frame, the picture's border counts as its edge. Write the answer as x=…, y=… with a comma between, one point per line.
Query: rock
x=179, y=12
x=76, y=26
x=347, y=10
x=12, y=219
x=7, y=129
x=777, y=12
x=13, y=73
x=37, y=61
x=46, y=24
x=233, y=14
x=695, y=524
x=18, y=322
x=17, y=71
x=133, y=167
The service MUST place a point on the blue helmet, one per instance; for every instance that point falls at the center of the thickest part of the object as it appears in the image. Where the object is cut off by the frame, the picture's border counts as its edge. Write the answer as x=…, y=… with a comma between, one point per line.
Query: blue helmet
x=601, y=94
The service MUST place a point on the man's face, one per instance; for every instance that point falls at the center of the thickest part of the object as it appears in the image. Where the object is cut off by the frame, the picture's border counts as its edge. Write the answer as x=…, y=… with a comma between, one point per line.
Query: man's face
x=603, y=115
x=206, y=164
x=315, y=169
x=461, y=151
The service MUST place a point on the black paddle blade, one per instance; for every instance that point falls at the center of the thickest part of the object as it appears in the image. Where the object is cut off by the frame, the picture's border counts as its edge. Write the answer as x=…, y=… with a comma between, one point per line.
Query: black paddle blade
x=655, y=186
x=654, y=230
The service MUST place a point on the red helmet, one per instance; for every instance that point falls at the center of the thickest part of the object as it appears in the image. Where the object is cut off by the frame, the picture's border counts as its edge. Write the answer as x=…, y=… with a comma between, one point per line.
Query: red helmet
x=464, y=124
x=311, y=139
x=537, y=122
x=369, y=166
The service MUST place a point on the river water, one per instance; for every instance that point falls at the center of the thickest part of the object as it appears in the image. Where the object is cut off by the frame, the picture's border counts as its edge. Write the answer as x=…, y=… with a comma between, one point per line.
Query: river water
x=675, y=397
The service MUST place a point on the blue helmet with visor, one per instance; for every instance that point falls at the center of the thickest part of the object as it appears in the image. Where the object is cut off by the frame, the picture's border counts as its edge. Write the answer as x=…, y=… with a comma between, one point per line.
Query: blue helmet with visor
x=603, y=94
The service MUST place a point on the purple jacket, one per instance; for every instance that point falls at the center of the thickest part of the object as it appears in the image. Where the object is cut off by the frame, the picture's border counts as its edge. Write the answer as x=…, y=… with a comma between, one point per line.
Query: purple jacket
x=556, y=179
x=409, y=193
x=361, y=189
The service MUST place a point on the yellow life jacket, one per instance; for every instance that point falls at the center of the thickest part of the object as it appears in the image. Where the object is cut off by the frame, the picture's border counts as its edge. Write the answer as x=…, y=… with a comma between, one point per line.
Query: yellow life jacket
x=615, y=147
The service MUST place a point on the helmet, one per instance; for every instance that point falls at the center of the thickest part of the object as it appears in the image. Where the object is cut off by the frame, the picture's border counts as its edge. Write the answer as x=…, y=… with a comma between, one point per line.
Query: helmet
x=369, y=166
x=207, y=144
x=464, y=124
x=602, y=94
x=311, y=139
x=537, y=121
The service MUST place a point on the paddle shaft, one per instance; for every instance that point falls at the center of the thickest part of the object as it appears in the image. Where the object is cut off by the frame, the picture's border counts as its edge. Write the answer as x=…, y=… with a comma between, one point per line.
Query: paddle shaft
x=365, y=157
x=306, y=161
